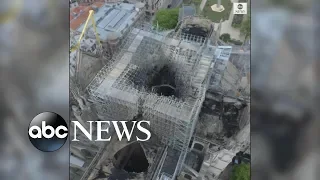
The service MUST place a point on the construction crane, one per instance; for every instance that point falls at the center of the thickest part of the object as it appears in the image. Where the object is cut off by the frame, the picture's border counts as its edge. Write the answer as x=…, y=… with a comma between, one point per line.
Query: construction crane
x=77, y=45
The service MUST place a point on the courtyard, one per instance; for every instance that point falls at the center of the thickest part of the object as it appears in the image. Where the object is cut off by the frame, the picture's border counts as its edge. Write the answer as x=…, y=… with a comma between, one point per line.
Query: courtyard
x=207, y=11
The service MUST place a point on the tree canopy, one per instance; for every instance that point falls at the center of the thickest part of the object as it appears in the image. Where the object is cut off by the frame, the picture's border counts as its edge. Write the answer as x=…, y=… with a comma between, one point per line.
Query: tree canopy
x=167, y=18
x=225, y=37
x=241, y=172
x=246, y=27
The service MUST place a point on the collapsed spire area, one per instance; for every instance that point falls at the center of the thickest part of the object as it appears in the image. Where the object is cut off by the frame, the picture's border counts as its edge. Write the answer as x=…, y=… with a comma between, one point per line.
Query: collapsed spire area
x=195, y=30
x=155, y=71
x=131, y=159
x=162, y=81
x=196, y=27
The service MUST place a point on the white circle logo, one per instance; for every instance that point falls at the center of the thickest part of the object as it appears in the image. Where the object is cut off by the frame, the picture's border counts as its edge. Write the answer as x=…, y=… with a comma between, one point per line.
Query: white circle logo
x=48, y=132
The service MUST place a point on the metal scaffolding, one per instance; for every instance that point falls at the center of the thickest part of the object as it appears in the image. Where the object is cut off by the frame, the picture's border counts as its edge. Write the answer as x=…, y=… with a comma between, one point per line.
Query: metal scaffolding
x=119, y=90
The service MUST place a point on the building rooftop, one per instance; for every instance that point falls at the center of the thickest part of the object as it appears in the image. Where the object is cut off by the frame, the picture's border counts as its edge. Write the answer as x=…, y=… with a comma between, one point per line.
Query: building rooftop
x=78, y=9
x=230, y=78
x=80, y=14
x=97, y=4
x=112, y=18
x=71, y=16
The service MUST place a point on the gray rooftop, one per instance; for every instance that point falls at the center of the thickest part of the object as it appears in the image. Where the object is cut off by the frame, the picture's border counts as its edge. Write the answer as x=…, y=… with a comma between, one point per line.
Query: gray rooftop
x=113, y=18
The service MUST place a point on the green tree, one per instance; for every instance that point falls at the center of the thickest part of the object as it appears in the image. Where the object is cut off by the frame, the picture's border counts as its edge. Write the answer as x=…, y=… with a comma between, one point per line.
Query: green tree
x=225, y=37
x=167, y=18
x=246, y=27
x=241, y=172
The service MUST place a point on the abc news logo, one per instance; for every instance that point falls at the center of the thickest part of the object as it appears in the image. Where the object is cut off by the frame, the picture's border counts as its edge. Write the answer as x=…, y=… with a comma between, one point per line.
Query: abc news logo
x=239, y=8
x=48, y=131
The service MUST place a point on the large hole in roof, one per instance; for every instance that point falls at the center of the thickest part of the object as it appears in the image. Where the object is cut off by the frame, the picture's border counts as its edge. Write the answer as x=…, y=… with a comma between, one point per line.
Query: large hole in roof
x=159, y=80
x=195, y=30
x=198, y=146
x=162, y=81
x=155, y=69
x=131, y=159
